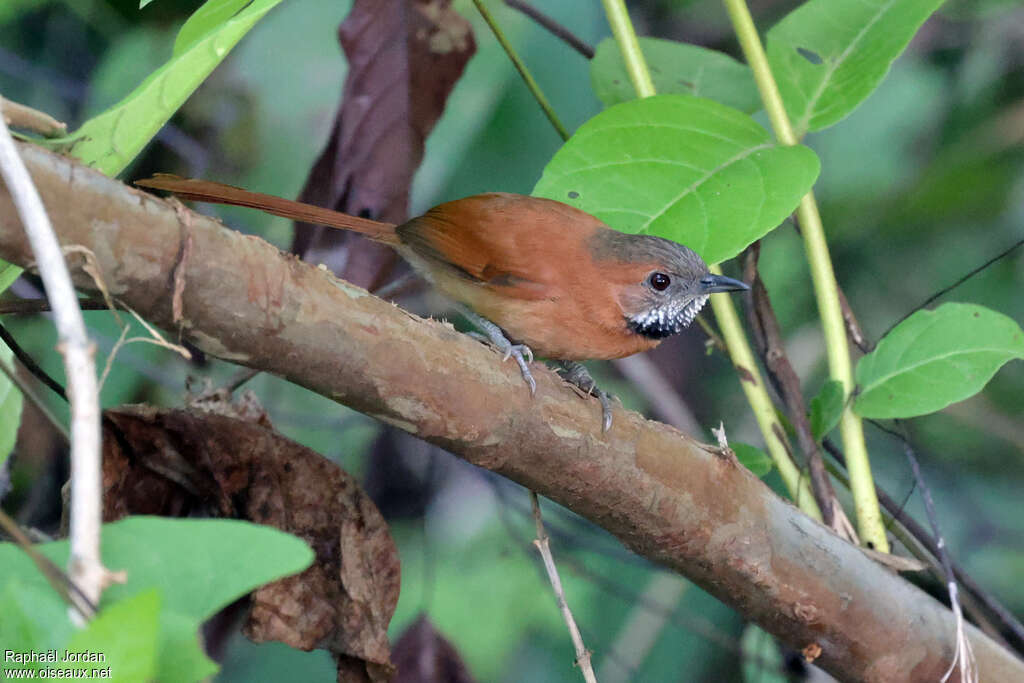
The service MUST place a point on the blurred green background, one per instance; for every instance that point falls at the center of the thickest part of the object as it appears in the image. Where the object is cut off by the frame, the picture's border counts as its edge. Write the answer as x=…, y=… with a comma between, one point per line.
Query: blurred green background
x=921, y=184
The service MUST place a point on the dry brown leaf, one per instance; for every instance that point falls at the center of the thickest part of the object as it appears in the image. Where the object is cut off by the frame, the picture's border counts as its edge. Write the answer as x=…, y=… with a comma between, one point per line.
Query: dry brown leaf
x=206, y=460
x=404, y=59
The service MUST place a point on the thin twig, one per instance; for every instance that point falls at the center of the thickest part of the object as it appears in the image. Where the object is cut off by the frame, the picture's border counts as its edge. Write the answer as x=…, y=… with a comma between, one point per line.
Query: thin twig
x=768, y=338
x=84, y=564
x=553, y=27
x=531, y=84
x=91, y=267
x=963, y=653
x=960, y=281
x=23, y=306
x=997, y=610
x=714, y=338
x=113, y=352
x=35, y=399
x=26, y=118
x=241, y=378
x=543, y=545
x=696, y=625
x=60, y=581
x=30, y=364
x=853, y=328
x=155, y=338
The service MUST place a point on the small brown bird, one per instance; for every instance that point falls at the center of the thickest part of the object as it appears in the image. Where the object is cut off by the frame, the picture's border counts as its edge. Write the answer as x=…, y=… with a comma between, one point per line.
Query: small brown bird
x=541, y=276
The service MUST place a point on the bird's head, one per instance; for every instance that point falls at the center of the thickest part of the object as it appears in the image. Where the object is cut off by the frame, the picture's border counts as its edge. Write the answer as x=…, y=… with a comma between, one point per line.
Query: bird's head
x=662, y=284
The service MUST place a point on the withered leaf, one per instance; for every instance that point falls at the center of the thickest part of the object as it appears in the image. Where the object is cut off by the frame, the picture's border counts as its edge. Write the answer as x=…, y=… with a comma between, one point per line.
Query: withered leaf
x=207, y=461
x=404, y=57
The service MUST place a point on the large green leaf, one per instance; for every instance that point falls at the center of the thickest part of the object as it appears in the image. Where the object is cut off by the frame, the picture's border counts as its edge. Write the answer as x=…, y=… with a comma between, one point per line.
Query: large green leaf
x=186, y=559
x=934, y=358
x=829, y=55
x=112, y=139
x=198, y=565
x=10, y=407
x=676, y=68
x=684, y=168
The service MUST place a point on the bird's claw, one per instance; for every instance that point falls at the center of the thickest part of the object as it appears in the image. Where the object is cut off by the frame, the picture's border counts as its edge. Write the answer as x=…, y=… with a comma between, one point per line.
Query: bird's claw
x=522, y=353
x=522, y=349
x=606, y=409
x=578, y=375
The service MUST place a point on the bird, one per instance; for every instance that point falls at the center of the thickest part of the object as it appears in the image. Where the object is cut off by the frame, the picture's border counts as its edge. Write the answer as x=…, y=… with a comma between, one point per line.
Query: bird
x=536, y=276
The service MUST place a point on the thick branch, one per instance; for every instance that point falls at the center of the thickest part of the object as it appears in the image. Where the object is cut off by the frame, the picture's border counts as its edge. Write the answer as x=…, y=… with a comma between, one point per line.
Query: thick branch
x=669, y=498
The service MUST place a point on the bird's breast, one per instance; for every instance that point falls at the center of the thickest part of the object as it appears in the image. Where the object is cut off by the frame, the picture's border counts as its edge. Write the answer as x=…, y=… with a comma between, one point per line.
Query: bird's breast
x=561, y=328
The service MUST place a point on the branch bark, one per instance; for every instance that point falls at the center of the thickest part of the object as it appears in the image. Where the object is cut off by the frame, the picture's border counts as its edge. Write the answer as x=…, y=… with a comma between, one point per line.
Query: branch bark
x=667, y=497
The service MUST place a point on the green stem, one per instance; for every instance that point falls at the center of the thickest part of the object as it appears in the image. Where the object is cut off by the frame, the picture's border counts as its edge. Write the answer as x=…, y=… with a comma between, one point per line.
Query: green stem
x=531, y=84
x=725, y=313
x=826, y=291
x=761, y=403
x=625, y=36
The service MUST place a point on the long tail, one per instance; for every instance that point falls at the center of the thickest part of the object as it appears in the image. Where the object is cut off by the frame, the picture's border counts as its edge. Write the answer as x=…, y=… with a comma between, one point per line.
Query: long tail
x=219, y=193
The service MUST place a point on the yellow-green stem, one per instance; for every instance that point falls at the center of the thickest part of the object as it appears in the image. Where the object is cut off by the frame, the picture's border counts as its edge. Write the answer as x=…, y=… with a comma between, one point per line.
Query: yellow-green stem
x=625, y=36
x=527, y=77
x=725, y=313
x=826, y=291
x=761, y=403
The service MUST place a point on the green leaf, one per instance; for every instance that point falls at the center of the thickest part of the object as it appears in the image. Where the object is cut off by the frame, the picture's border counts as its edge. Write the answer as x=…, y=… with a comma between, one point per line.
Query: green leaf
x=8, y=274
x=35, y=618
x=826, y=409
x=187, y=557
x=199, y=565
x=753, y=458
x=934, y=358
x=676, y=68
x=10, y=407
x=207, y=18
x=181, y=656
x=829, y=55
x=126, y=635
x=112, y=139
x=684, y=168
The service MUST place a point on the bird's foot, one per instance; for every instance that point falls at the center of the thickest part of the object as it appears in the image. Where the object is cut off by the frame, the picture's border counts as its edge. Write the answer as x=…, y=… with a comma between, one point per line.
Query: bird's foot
x=578, y=375
x=522, y=353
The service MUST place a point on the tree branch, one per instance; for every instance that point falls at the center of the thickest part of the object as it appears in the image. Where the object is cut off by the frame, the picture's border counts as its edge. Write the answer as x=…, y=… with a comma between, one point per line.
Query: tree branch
x=666, y=496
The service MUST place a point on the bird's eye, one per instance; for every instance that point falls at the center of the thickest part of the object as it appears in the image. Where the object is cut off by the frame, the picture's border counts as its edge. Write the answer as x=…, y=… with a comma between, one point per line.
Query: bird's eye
x=659, y=281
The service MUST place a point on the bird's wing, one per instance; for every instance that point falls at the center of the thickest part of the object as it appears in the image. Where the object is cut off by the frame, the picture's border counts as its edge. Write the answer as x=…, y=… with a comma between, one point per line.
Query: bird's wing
x=497, y=240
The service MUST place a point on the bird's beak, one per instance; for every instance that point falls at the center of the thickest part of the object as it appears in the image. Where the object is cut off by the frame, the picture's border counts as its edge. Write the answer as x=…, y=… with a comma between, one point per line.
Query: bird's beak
x=719, y=283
